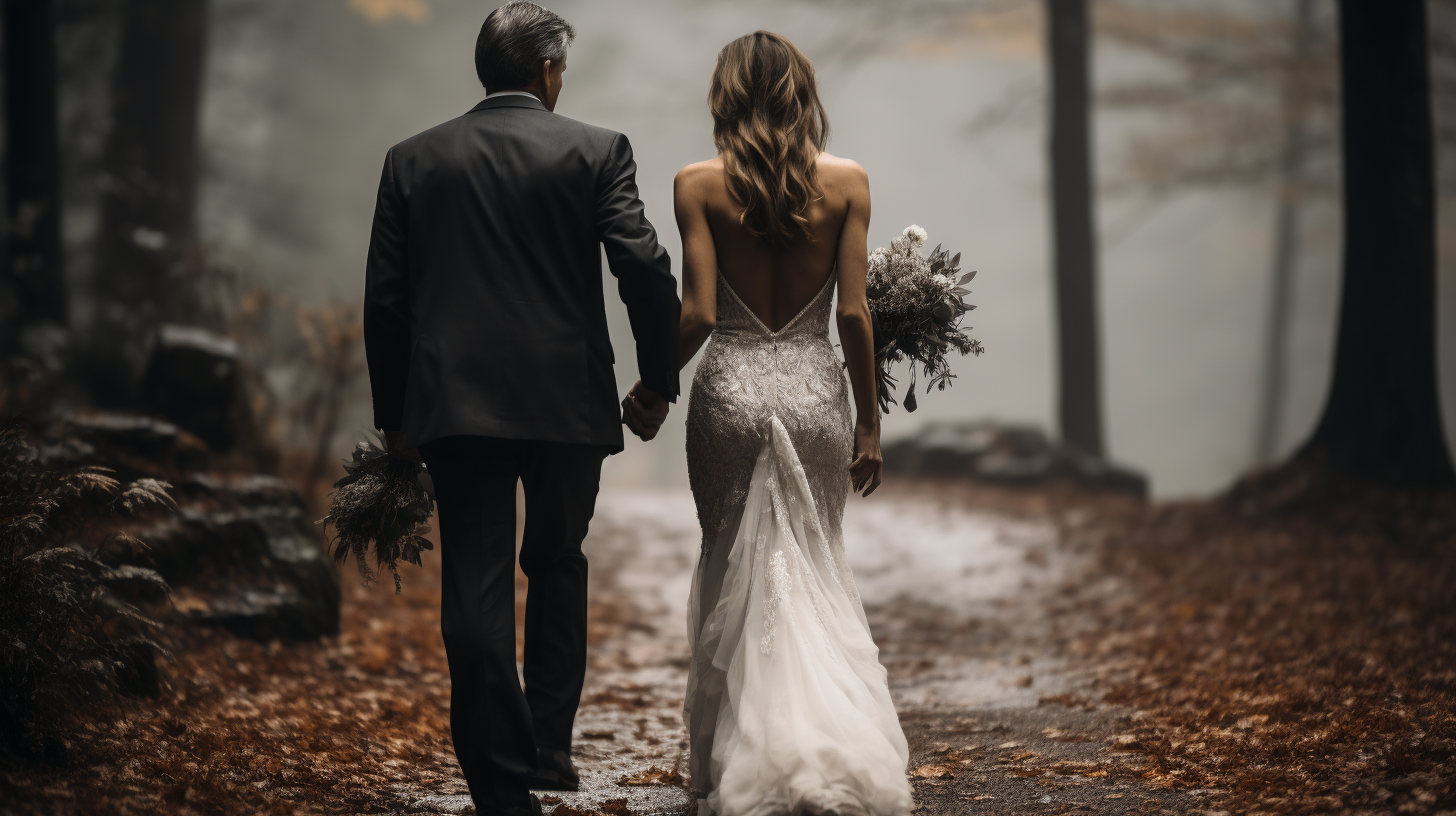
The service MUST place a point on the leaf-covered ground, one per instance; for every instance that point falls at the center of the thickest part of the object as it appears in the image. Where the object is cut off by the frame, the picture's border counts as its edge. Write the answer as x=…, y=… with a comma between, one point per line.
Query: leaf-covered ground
x=1295, y=656
x=243, y=727
x=1107, y=658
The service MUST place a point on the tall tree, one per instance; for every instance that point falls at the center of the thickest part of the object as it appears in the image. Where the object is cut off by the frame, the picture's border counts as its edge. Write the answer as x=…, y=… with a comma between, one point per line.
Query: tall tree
x=34, y=263
x=1382, y=419
x=149, y=193
x=1074, y=245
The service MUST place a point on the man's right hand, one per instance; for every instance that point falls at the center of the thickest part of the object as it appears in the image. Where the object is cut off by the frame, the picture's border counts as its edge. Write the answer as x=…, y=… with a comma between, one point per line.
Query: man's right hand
x=394, y=440
x=643, y=411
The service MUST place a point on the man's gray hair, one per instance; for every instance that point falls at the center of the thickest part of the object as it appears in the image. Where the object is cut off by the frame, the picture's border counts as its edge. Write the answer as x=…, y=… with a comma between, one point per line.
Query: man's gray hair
x=515, y=40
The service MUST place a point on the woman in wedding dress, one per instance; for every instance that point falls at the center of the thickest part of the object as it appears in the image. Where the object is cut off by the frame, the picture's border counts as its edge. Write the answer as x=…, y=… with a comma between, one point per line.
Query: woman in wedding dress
x=788, y=709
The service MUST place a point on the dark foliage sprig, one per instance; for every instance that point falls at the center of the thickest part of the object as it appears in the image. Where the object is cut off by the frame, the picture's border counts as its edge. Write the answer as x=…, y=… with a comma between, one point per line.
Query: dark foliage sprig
x=67, y=639
x=917, y=304
x=382, y=501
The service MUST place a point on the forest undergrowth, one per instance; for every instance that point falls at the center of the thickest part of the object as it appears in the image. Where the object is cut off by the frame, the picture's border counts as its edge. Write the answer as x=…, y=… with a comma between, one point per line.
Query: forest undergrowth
x=349, y=724
x=244, y=727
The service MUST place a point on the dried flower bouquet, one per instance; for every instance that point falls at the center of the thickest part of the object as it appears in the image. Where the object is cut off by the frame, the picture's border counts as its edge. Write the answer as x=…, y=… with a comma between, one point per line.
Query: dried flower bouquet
x=381, y=500
x=916, y=303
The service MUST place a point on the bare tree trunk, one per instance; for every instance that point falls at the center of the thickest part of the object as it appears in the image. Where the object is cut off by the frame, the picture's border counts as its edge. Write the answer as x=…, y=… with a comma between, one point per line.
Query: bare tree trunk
x=1382, y=420
x=1074, y=251
x=149, y=177
x=1286, y=243
x=34, y=266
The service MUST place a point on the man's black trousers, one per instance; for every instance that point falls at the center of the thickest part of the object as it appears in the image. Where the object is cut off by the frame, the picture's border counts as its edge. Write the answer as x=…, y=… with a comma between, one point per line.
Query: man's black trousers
x=496, y=727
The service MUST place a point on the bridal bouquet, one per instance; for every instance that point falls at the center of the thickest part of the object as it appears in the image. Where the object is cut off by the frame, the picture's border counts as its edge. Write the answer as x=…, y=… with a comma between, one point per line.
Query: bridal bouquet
x=916, y=304
x=380, y=500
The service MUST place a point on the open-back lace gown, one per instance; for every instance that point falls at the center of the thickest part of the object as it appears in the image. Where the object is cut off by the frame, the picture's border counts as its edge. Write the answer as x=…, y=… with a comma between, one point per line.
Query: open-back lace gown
x=787, y=708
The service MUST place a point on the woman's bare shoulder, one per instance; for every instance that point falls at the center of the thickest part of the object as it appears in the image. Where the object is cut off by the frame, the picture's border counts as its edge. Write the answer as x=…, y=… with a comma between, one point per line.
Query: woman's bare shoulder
x=697, y=177
x=841, y=171
x=843, y=178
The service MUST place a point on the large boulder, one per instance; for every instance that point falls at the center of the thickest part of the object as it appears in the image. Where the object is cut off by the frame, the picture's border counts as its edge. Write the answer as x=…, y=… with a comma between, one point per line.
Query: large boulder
x=243, y=554
x=1004, y=454
x=137, y=446
x=193, y=379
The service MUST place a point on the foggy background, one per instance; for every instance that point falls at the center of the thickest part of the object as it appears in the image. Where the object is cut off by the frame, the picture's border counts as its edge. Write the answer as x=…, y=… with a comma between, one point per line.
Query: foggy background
x=944, y=109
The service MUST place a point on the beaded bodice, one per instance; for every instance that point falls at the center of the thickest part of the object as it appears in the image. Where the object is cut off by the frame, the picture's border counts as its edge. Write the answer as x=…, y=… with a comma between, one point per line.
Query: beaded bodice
x=747, y=374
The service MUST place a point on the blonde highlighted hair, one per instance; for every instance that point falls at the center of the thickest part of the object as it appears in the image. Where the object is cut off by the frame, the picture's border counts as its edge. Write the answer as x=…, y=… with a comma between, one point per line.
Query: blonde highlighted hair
x=769, y=126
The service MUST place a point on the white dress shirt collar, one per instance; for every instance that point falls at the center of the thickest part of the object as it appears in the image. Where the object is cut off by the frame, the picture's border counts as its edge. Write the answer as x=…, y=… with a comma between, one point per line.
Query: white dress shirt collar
x=510, y=93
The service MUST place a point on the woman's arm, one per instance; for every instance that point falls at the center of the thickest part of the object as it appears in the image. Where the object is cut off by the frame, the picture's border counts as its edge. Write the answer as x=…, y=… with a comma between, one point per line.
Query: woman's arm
x=856, y=332
x=700, y=260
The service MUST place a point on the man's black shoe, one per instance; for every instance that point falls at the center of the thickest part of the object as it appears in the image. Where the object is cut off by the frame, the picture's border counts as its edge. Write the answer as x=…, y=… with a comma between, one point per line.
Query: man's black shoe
x=554, y=772
x=531, y=809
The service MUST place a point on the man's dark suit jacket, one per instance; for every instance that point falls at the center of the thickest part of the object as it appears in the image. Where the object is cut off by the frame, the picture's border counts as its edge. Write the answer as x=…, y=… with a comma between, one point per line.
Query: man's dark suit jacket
x=483, y=310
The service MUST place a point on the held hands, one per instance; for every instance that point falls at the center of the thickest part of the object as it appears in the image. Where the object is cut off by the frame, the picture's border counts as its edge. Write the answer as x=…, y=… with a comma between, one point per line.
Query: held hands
x=643, y=411
x=867, y=470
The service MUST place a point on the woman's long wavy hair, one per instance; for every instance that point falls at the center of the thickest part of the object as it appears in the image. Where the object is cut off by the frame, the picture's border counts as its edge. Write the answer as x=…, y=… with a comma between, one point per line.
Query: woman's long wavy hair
x=769, y=127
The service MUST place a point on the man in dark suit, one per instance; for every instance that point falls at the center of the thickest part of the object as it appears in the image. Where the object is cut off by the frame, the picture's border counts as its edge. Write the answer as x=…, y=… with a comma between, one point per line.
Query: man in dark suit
x=487, y=344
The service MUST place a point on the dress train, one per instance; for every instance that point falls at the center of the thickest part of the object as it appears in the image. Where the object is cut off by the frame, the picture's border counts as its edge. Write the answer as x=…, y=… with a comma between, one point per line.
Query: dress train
x=786, y=685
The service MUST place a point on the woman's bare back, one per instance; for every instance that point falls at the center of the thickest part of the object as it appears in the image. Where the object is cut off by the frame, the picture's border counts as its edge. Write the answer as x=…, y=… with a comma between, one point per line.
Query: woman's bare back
x=776, y=283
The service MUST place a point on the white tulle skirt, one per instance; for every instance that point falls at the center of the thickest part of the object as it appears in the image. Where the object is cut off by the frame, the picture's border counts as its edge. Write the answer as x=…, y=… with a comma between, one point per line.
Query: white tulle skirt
x=788, y=709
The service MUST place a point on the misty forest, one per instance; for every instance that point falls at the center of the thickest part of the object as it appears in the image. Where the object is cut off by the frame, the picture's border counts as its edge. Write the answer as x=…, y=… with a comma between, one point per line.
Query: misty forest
x=1182, y=540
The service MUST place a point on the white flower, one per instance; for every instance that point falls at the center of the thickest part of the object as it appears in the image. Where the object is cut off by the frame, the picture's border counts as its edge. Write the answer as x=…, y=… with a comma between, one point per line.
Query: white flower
x=916, y=234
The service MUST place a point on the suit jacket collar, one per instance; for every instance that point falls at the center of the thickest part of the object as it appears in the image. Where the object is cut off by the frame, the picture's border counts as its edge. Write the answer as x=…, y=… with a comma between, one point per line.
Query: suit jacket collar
x=511, y=101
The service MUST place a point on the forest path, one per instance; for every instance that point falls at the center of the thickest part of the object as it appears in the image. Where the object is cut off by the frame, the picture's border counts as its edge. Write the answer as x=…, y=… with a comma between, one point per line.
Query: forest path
x=1276, y=666
x=968, y=608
